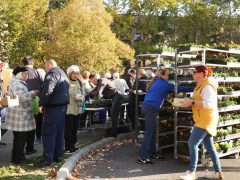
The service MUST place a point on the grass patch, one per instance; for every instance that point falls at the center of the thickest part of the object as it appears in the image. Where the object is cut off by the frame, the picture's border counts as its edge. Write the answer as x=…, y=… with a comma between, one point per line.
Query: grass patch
x=29, y=171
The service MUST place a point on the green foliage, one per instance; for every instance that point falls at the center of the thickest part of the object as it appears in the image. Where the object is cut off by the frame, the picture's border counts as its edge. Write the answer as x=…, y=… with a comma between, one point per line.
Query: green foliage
x=176, y=22
x=224, y=103
x=81, y=35
x=71, y=32
x=231, y=59
x=56, y=4
x=26, y=28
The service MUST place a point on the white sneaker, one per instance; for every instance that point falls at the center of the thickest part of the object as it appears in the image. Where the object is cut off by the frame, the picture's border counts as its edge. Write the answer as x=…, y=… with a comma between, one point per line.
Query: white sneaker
x=217, y=175
x=189, y=176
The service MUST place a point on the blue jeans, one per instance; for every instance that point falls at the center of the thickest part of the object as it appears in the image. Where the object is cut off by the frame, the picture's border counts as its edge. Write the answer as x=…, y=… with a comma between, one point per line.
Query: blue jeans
x=148, y=144
x=199, y=135
x=53, y=132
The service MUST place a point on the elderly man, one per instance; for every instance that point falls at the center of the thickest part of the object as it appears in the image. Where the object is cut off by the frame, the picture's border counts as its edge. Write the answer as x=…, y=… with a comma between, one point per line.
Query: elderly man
x=54, y=98
x=106, y=89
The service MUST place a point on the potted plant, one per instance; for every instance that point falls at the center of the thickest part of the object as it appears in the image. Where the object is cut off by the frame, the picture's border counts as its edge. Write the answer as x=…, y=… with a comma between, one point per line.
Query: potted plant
x=189, y=47
x=225, y=146
x=218, y=149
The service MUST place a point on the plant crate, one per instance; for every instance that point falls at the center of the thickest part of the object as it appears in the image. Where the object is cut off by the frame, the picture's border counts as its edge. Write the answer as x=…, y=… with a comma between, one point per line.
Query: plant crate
x=185, y=122
x=188, y=48
x=184, y=63
x=234, y=50
x=105, y=103
x=166, y=139
x=233, y=64
x=216, y=61
x=184, y=135
x=232, y=136
x=166, y=125
x=232, y=78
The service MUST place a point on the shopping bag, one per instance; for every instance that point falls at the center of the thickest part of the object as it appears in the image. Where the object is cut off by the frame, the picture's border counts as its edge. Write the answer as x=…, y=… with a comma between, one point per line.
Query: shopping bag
x=35, y=105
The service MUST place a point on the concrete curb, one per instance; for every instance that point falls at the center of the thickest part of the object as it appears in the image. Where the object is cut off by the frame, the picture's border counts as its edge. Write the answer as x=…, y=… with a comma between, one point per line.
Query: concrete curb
x=71, y=162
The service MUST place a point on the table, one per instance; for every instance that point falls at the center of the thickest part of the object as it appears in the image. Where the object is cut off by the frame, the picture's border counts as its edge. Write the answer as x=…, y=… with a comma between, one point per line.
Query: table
x=90, y=110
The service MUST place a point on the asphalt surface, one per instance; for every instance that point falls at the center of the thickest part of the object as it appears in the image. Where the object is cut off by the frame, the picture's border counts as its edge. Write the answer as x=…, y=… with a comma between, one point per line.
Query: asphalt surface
x=85, y=137
x=121, y=163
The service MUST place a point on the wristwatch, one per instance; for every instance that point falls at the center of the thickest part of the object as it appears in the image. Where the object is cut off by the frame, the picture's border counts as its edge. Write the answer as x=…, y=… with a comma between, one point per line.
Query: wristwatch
x=193, y=102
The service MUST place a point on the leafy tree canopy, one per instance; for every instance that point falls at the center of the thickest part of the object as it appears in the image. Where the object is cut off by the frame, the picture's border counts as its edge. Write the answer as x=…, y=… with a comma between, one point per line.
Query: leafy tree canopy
x=80, y=34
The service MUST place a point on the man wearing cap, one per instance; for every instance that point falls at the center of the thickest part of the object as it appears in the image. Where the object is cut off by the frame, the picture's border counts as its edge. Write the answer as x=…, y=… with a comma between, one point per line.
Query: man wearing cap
x=54, y=98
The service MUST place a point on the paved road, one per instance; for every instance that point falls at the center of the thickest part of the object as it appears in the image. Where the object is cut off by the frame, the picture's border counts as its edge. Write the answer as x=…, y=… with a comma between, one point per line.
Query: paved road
x=120, y=163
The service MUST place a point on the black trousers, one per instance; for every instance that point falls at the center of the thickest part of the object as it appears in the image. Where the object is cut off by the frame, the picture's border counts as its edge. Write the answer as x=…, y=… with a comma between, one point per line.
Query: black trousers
x=71, y=127
x=121, y=114
x=30, y=140
x=115, y=109
x=37, y=132
x=131, y=109
x=38, y=120
x=19, y=141
x=83, y=118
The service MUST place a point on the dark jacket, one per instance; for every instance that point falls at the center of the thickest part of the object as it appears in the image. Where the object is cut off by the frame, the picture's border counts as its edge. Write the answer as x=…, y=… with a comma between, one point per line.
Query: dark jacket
x=34, y=80
x=55, y=89
x=106, y=87
x=142, y=85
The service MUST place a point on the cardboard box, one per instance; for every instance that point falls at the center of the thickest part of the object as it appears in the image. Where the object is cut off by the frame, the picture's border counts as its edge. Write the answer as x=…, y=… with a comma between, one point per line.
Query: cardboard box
x=178, y=102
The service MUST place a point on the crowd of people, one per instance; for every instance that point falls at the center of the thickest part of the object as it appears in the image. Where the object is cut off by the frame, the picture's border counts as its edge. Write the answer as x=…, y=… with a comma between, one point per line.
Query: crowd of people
x=57, y=95
x=48, y=112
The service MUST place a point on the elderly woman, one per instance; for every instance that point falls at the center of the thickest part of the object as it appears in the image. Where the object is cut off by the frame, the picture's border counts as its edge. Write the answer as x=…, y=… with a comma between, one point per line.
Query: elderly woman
x=205, y=115
x=157, y=91
x=76, y=93
x=20, y=118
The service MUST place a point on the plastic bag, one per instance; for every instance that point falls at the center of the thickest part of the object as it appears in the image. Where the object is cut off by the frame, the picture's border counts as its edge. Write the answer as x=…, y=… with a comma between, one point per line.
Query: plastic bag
x=35, y=105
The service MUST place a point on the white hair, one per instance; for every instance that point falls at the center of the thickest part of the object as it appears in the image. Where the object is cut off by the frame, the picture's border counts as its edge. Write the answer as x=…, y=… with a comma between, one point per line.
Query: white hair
x=97, y=76
x=52, y=62
x=107, y=75
x=116, y=75
x=150, y=74
x=72, y=68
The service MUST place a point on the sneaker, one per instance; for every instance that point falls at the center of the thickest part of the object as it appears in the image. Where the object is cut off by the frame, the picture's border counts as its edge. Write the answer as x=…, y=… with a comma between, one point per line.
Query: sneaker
x=218, y=175
x=157, y=156
x=145, y=161
x=189, y=176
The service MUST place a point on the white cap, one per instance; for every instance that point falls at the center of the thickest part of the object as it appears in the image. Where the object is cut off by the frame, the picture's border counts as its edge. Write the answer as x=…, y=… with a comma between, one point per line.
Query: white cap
x=73, y=68
x=116, y=75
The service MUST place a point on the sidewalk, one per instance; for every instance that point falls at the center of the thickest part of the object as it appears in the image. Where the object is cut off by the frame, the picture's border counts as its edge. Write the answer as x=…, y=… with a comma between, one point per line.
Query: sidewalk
x=121, y=163
x=85, y=137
